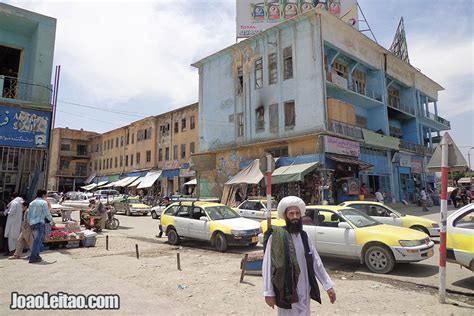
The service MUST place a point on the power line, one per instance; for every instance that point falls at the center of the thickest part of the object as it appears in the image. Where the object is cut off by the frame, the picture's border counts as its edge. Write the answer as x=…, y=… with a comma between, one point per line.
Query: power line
x=107, y=110
x=89, y=118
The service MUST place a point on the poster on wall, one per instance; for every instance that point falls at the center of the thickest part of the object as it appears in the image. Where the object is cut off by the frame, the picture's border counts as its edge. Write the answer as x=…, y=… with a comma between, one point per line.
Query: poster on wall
x=24, y=127
x=254, y=16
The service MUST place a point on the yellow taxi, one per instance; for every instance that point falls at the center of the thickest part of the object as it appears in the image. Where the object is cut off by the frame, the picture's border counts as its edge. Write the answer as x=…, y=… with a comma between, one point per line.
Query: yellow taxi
x=340, y=231
x=389, y=216
x=460, y=237
x=214, y=222
x=256, y=208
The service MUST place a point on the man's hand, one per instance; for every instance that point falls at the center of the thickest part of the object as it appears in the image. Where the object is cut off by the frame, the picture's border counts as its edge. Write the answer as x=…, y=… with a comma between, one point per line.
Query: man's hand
x=270, y=300
x=332, y=295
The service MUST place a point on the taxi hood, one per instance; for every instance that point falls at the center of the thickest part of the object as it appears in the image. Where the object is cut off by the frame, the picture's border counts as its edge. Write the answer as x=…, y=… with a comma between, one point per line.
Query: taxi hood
x=390, y=235
x=239, y=223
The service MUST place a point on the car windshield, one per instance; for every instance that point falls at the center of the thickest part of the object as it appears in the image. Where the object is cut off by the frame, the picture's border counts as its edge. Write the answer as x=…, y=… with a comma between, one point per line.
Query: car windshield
x=52, y=200
x=221, y=212
x=358, y=218
x=134, y=201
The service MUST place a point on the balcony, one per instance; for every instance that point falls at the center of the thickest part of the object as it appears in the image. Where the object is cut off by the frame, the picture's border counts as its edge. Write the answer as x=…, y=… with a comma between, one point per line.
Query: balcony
x=72, y=173
x=78, y=154
x=402, y=107
x=415, y=148
x=345, y=129
x=438, y=119
x=13, y=89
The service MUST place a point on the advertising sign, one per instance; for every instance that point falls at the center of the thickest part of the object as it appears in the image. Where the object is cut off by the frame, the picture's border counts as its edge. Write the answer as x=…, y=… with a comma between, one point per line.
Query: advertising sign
x=254, y=16
x=341, y=146
x=24, y=127
x=416, y=165
x=405, y=160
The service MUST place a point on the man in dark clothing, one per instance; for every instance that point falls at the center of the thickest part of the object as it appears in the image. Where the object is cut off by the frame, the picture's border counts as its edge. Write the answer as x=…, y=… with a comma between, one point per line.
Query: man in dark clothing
x=453, y=197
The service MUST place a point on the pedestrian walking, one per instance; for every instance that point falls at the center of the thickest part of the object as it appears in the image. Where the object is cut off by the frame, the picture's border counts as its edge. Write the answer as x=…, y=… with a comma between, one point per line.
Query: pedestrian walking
x=291, y=264
x=379, y=196
x=13, y=227
x=424, y=199
x=453, y=197
x=37, y=215
x=26, y=236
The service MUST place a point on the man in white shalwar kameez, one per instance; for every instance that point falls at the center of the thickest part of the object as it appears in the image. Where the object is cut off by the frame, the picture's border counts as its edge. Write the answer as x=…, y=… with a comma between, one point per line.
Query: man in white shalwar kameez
x=291, y=209
x=13, y=228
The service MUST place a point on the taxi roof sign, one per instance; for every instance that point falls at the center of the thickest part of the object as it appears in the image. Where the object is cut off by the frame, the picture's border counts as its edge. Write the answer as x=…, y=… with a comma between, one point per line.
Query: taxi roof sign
x=456, y=161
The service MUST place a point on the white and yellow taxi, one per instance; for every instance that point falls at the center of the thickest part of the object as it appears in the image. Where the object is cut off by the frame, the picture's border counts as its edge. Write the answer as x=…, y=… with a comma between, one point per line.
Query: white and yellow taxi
x=389, y=216
x=214, y=222
x=340, y=231
x=256, y=208
x=460, y=237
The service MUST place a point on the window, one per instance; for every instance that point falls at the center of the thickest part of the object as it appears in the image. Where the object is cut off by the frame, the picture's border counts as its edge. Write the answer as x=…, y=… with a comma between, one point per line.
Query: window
x=260, y=119
x=121, y=141
x=183, y=151
x=115, y=162
x=105, y=145
x=240, y=80
x=65, y=147
x=273, y=112
x=121, y=161
x=176, y=127
x=183, y=124
x=272, y=68
x=128, y=138
x=95, y=165
x=358, y=82
x=240, y=124
x=133, y=138
x=192, y=122
x=63, y=164
x=258, y=73
x=287, y=63
x=290, y=114
x=465, y=221
x=175, y=152
x=148, y=155
x=191, y=148
x=167, y=153
x=100, y=164
x=361, y=121
x=131, y=160
x=139, y=135
x=160, y=154
x=138, y=158
x=393, y=97
x=165, y=130
x=108, y=144
x=340, y=68
x=126, y=161
x=112, y=143
x=103, y=164
x=116, y=142
x=278, y=152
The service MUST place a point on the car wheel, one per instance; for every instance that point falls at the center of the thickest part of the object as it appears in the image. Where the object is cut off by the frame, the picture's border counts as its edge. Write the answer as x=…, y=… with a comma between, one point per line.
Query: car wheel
x=173, y=237
x=153, y=215
x=221, y=242
x=420, y=229
x=379, y=259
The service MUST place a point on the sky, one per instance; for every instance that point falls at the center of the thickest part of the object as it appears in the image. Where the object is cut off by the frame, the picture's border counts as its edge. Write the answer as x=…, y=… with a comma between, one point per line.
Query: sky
x=134, y=57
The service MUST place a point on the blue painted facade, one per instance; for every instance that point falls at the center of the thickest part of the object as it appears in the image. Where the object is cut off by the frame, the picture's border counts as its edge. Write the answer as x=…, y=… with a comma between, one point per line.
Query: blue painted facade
x=330, y=60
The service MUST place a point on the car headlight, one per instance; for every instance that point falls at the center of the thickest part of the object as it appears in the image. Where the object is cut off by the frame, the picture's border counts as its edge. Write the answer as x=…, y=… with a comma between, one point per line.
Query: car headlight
x=411, y=243
x=240, y=232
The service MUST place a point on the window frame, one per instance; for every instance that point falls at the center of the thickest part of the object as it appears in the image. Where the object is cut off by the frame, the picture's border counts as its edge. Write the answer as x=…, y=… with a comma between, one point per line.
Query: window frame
x=258, y=73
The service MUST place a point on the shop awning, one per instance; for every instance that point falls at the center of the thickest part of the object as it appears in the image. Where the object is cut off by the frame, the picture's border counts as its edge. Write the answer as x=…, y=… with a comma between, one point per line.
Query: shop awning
x=89, y=186
x=124, y=182
x=136, y=182
x=464, y=180
x=149, y=179
x=90, y=178
x=191, y=182
x=250, y=174
x=351, y=161
x=292, y=173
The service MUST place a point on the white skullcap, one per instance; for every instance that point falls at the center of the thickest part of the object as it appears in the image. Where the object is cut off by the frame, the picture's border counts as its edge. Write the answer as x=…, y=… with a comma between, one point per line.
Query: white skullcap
x=288, y=201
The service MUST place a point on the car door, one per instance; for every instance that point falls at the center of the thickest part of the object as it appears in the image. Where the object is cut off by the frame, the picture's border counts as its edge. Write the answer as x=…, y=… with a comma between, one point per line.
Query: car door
x=198, y=228
x=247, y=209
x=182, y=219
x=384, y=215
x=331, y=239
x=461, y=236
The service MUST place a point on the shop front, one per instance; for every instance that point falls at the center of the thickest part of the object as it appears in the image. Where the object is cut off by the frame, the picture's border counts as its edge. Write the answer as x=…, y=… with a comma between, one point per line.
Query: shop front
x=246, y=183
x=185, y=176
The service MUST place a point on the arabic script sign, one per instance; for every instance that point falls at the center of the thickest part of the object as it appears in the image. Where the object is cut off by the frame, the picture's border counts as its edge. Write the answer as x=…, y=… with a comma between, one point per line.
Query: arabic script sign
x=24, y=127
x=341, y=146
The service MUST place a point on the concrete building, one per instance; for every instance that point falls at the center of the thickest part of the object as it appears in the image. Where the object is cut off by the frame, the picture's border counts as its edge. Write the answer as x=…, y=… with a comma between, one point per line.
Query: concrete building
x=26, y=50
x=313, y=90
x=70, y=162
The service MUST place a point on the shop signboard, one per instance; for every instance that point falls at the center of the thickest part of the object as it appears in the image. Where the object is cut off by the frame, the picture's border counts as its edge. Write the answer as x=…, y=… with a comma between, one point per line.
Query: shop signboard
x=255, y=16
x=405, y=160
x=341, y=146
x=416, y=165
x=171, y=164
x=186, y=173
x=21, y=127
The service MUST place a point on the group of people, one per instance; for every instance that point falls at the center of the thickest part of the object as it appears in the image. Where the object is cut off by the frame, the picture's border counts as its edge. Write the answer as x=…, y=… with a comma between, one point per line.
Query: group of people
x=379, y=195
x=25, y=225
x=460, y=195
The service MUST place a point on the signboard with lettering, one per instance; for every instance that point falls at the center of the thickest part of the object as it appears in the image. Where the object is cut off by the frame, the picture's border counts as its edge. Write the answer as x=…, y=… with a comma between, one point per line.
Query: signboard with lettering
x=171, y=164
x=405, y=160
x=341, y=146
x=24, y=127
x=186, y=173
x=416, y=165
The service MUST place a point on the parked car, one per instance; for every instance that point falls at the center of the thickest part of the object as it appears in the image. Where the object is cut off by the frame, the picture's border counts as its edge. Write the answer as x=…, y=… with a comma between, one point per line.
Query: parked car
x=213, y=222
x=256, y=208
x=131, y=205
x=460, y=237
x=55, y=206
x=340, y=231
x=107, y=195
x=389, y=216
x=157, y=210
x=76, y=200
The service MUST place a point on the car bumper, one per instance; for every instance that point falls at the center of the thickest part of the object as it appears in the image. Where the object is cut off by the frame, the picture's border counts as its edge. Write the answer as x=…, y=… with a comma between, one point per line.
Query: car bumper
x=413, y=254
x=434, y=232
x=139, y=211
x=241, y=240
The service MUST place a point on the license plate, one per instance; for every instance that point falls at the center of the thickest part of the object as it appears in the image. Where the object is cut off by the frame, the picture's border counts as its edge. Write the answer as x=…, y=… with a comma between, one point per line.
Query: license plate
x=254, y=239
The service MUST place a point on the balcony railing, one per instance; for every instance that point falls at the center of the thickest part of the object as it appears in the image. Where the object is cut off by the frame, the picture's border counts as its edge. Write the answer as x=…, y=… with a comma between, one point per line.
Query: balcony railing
x=436, y=118
x=402, y=107
x=72, y=173
x=345, y=84
x=71, y=153
x=345, y=129
x=23, y=90
x=416, y=148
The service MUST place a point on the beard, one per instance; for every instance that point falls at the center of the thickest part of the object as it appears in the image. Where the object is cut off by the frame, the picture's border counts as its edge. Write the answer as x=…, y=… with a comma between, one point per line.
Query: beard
x=294, y=226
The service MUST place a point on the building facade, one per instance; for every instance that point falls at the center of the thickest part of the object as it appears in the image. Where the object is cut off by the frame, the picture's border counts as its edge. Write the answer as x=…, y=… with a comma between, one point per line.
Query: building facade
x=26, y=50
x=70, y=162
x=313, y=90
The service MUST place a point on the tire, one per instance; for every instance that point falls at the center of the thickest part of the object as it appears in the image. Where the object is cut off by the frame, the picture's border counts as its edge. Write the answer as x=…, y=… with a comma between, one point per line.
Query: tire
x=379, y=259
x=153, y=215
x=113, y=224
x=173, y=237
x=420, y=229
x=220, y=242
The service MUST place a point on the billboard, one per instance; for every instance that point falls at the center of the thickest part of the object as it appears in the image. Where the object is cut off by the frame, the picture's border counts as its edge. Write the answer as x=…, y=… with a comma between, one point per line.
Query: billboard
x=254, y=16
x=24, y=127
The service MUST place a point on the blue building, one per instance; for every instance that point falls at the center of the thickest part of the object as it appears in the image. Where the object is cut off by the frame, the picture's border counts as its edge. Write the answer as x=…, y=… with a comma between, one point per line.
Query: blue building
x=315, y=87
x=26, y=57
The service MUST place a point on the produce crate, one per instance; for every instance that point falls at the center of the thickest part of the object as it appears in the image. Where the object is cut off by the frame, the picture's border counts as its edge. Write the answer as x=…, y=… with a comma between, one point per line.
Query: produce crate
x=73, y=244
